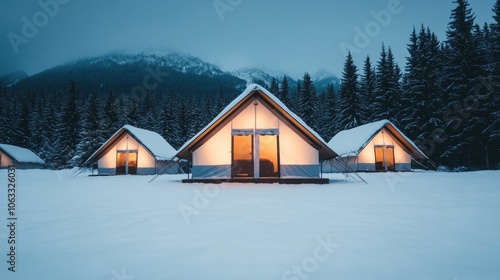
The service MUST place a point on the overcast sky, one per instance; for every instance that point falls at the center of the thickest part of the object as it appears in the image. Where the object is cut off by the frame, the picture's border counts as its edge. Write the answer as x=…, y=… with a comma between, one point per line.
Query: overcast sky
x=282, y=35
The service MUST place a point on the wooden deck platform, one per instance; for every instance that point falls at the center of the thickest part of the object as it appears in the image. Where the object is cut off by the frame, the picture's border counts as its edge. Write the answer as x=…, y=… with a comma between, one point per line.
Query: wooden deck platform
x=320, y=181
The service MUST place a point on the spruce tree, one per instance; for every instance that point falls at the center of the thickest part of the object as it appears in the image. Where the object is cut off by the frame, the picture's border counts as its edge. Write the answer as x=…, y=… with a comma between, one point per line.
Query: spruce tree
x=349, y=101
x=307, y=101
x=284, y=97
x=463, y=73
x=367, y=90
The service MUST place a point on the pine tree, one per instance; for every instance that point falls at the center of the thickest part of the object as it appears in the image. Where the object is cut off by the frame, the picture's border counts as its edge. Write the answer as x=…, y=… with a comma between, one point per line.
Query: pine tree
x=380, y=109
x=91, y=132
x=492, y=130
x=67, y=130
x=331, y=113
x=169, y=128
x=284, y=91
x=463, y=73
x=221, y=101
x=274, y=89
x=111, y=121
x=307, y=109
x=367, y=90
x=349, y=100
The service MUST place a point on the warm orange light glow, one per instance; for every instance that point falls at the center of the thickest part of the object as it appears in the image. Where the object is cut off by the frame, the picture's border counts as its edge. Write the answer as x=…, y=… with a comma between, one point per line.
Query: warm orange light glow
x=268, y=155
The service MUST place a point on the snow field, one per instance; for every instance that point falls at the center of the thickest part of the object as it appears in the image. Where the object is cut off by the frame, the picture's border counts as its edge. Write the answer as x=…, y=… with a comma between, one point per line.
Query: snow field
x=421, y=225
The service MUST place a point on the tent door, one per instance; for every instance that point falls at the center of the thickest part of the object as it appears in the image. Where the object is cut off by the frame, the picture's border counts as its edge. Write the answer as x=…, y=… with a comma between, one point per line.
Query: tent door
x=389, y=158
x=384, y=158
x=269, y=156
x=126, y=162
x=242, y=164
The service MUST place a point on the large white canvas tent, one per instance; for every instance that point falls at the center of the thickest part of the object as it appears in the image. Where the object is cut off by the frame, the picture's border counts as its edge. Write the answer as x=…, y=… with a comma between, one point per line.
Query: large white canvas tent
x=132, y=150
x=377, y=146
x=21, y=158
x=256, y=136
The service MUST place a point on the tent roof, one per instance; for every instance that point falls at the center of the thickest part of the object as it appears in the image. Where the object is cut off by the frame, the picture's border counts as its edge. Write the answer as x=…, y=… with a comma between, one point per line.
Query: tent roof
x=21, y=155
x=351, y=142
x=153, y=142
x=253, y=91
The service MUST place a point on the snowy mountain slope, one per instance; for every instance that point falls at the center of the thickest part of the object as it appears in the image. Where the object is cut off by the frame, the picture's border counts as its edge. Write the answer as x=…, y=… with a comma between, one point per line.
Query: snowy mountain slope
x=180, y=62
x=253, y=75
x=12, y=78
x=164, y=71
x=420, y=225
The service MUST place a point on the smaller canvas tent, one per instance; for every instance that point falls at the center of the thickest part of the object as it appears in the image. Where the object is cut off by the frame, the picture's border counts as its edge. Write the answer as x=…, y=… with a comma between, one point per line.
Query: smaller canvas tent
x=377, y=146
x=21, y=158
x=132, y=150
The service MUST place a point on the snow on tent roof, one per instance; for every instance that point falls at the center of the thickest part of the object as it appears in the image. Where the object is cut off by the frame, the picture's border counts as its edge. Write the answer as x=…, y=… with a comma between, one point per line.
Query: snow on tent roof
x=21, y=155
x=352, y=141
x=152, y=141
x=242, y=96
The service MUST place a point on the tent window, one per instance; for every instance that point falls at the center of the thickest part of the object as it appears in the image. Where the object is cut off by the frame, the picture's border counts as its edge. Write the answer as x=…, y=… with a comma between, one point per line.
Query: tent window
x=268, y=156
x=242, y=153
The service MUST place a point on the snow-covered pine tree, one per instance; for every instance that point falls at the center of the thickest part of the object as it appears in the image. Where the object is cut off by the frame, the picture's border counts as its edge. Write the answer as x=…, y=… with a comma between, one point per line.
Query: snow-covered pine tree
x=275, y=88
x=331, y=112
x=367, y=91
x=169, y=126
x=462, y=76
x=384, y=71
x=284, y=90
x=67, y=130
x=492, y=152
x=307, y=109
x=111, y=111
x=91, y=132
x=349, y=100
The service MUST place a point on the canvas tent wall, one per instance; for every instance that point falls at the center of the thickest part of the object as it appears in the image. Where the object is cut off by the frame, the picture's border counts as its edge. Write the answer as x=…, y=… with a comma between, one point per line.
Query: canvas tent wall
x=377, y=146
x=256, y=136
x=21, y=158
x=132, y=150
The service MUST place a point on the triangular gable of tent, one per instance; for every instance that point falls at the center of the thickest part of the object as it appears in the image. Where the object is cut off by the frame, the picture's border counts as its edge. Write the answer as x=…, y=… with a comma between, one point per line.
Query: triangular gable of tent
x=325, y=151
x=21, y=155
x=153, y=142
x=352, y=141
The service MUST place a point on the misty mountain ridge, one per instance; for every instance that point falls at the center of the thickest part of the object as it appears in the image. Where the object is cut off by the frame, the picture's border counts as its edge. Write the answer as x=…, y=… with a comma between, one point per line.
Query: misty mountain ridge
x=125, y=71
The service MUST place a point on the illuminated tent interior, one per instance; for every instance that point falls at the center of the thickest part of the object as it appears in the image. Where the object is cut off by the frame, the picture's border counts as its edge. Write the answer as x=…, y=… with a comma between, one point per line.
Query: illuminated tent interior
x=21, y=158
x=135, y=151
x=377, y=146
x=256, y=136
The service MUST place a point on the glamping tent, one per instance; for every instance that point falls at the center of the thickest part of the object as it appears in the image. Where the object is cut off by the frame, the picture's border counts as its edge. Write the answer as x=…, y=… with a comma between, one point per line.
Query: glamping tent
x=377, y=146
x=21, y=158
x=132, y=150
x=256, y=137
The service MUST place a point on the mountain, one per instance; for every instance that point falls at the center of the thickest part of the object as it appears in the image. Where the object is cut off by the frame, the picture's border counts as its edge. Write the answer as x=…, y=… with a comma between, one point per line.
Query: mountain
x=151, y=71
x=161, y=71
x=13, y=78
x=253, y=75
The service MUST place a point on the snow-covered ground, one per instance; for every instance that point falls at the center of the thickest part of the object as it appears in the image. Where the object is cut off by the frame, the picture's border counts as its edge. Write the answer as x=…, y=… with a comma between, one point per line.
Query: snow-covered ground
x=421, y=225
